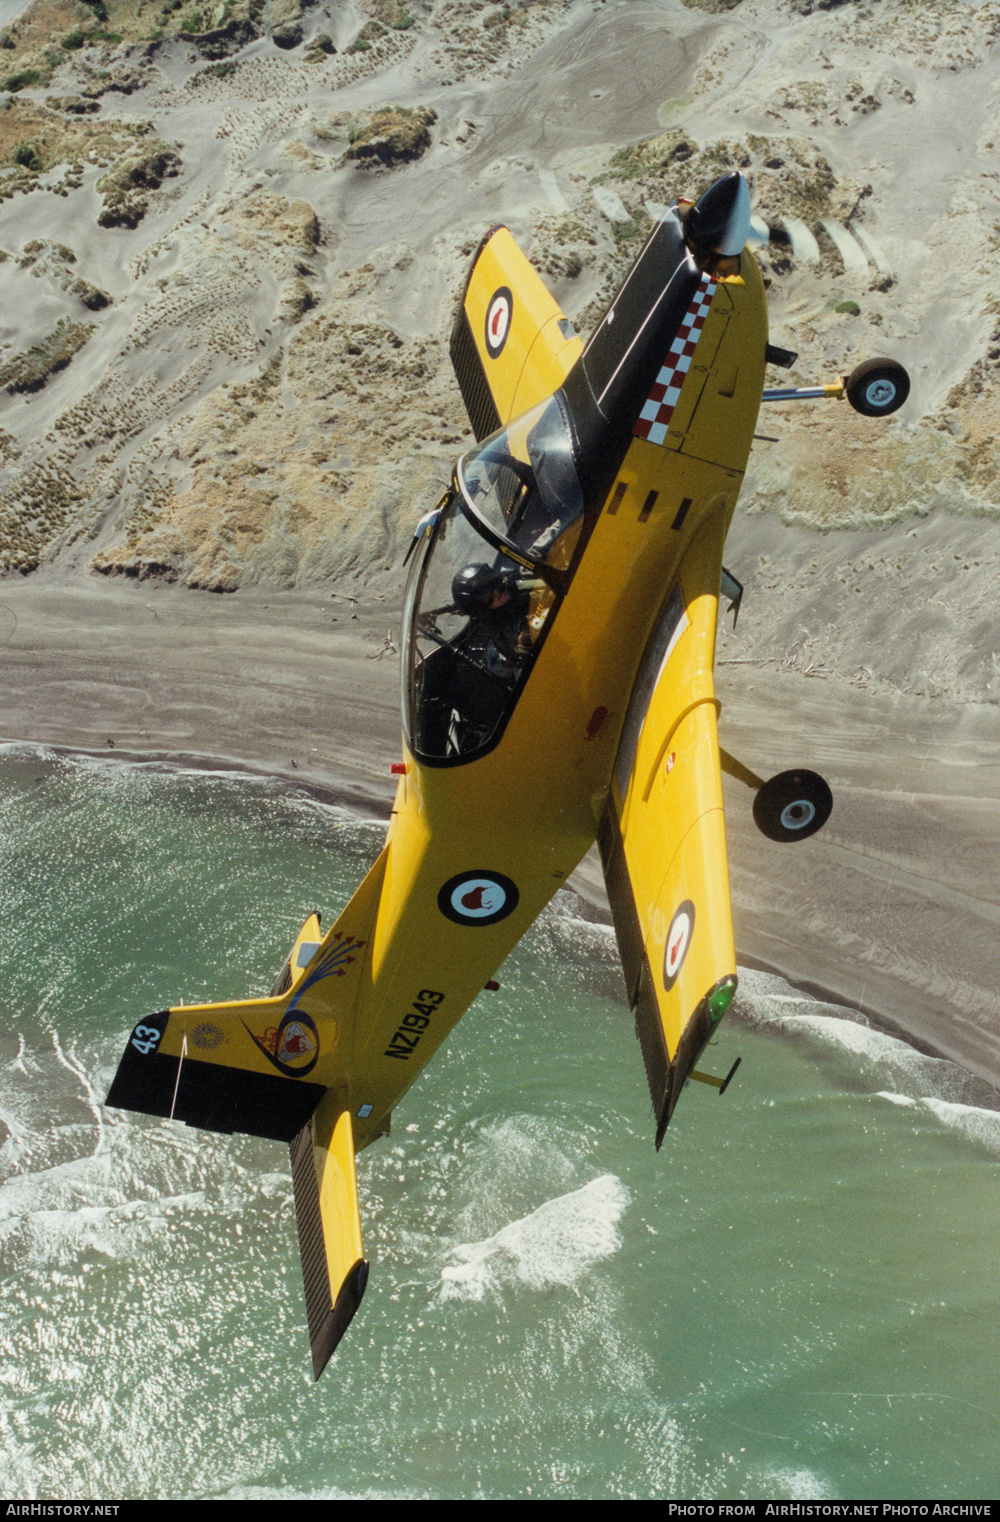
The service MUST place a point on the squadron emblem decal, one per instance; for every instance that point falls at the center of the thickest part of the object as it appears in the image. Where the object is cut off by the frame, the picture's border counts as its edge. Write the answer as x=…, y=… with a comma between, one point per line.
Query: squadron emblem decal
x=292, y=1047
x=207, y=1036
x=478, y=898
x=498, y=315
x=297, y=1043
x=678, y=941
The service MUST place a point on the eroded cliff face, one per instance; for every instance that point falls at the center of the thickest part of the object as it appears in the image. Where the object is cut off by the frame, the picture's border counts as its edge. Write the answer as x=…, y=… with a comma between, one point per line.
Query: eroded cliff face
x=233, y=238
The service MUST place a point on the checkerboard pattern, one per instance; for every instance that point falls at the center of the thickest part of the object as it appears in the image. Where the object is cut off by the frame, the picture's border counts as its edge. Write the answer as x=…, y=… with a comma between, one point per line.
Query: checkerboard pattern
x=657, y=411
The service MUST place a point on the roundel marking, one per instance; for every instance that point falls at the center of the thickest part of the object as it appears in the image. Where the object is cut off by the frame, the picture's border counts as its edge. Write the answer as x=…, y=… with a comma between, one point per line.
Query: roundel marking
x=678, y=941
x=478, y=898
x=498, y=315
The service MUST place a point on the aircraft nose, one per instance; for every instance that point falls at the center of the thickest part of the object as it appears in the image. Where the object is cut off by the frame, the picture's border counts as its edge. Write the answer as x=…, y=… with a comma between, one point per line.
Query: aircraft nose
x=719, y=221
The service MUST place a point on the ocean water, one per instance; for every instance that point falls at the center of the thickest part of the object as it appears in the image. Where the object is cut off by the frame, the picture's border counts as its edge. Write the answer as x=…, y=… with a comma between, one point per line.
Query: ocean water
x=799, y=1297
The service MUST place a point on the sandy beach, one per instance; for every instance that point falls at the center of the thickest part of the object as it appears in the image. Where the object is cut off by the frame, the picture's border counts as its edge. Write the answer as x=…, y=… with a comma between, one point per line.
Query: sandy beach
x=891, y=910
x=290, y=685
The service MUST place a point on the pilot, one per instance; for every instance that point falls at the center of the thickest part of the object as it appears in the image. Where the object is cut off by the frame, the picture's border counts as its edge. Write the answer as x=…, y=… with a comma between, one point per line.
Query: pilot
x=499, y=634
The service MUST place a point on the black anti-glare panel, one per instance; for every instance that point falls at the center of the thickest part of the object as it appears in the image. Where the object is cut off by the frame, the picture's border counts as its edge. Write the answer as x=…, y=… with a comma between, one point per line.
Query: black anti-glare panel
x=629, y=345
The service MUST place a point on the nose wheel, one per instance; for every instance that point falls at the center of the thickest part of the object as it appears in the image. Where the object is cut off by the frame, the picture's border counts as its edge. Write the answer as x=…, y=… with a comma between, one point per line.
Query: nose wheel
x=877, y=387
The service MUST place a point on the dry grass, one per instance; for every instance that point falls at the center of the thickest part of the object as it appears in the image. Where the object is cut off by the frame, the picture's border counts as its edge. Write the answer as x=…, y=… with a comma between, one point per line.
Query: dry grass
x=787, y=174
x=58, y=139
x=126, y=187
x=391, y=135
x=30, y=371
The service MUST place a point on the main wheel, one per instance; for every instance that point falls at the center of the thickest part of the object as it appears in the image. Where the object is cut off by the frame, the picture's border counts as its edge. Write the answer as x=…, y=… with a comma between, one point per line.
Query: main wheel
x=878, y=387
x=792, y=806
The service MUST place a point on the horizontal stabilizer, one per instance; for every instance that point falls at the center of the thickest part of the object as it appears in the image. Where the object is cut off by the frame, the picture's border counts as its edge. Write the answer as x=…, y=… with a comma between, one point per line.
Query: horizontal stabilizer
x=334, y=1271
x=256, y=1066
x=223, y=1067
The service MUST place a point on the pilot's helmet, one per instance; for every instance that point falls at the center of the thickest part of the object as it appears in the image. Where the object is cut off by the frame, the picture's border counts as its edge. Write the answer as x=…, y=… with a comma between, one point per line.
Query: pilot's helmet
x=474, y=587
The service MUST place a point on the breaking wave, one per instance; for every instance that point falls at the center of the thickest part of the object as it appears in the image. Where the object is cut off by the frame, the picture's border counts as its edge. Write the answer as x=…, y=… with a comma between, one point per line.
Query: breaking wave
x=767, y=1002
x=976, y=1124
x=554, y=1245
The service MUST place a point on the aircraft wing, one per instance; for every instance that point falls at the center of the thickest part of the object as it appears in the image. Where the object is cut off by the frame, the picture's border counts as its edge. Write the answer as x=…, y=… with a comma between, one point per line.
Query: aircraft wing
x=511, y=346
x=662, y=836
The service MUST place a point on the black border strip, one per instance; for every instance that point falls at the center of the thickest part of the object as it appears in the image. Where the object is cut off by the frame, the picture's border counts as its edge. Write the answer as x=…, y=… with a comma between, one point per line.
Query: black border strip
x=471, y=377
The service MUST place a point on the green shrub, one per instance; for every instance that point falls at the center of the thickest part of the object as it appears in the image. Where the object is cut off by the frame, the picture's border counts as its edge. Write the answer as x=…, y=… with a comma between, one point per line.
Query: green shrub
x=31, y=370
x=26, y=155
x=22, y=81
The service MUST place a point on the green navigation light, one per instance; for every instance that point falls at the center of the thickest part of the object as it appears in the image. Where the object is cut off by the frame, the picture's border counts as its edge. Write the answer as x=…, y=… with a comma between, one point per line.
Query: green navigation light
x=720, y=1001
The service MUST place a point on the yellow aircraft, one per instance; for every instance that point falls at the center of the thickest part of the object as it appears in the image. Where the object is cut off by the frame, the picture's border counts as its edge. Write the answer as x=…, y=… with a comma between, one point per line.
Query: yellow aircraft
x=559, y=640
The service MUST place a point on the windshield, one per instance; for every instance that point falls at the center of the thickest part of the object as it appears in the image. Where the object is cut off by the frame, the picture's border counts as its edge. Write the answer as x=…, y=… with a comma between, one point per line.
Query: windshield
x=523, y=484
x=487, y=581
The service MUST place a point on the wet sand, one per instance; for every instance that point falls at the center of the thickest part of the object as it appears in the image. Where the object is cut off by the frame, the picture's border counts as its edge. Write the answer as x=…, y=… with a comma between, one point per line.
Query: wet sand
x=892, y=909
x=291, y=685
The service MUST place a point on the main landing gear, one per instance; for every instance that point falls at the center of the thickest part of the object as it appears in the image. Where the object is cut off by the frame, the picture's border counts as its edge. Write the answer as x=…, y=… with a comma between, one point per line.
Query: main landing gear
x=791, y=806
x=875, y=388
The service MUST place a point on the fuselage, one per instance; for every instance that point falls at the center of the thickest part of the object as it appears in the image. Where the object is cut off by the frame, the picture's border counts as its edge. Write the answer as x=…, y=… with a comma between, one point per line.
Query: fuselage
x=483, y=834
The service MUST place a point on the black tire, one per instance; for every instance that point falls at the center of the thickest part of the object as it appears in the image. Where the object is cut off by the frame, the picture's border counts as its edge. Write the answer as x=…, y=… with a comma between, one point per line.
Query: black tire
x=878, y=387
x=792, y=806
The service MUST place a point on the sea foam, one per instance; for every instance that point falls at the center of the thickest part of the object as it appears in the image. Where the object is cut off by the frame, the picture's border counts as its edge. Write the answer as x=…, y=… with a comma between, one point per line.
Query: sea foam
x=554, y=1245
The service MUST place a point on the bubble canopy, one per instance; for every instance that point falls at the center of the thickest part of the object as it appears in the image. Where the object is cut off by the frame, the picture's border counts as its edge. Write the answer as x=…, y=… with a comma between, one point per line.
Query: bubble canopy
x=486, y=583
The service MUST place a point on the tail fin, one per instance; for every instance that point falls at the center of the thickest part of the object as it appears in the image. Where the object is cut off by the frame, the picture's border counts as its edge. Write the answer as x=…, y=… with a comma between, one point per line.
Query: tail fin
x=511, y=345
x=329, y=1223
x=278, y=1067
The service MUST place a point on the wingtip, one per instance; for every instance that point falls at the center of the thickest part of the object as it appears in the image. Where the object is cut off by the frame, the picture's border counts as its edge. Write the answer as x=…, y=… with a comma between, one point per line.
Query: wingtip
x=324, y=1343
